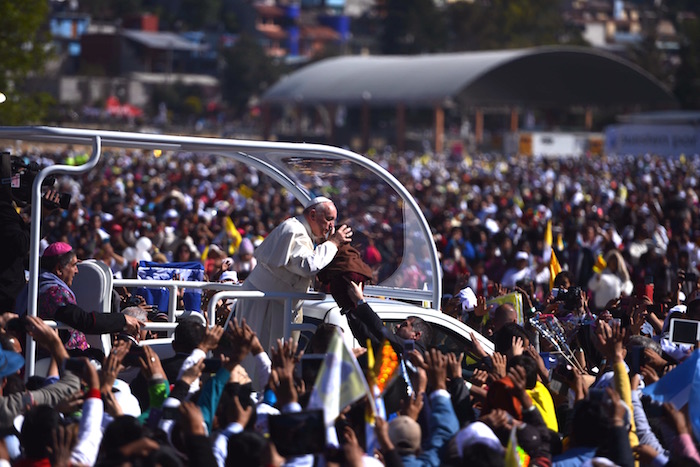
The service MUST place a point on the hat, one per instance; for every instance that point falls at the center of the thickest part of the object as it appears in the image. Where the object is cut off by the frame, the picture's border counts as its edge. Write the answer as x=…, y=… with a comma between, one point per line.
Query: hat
x=116, y=228
x=122, y=393
x=467, y=298
x=316, y=200
x=10, y=362
x=228, y=276
x=405, y=434
x=477, y=433
x=246, y=247
x=522, y=255
x=57, y=249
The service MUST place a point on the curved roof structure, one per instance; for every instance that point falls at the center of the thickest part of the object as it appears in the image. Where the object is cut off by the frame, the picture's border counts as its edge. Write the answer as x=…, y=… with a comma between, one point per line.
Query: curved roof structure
x=540, y=76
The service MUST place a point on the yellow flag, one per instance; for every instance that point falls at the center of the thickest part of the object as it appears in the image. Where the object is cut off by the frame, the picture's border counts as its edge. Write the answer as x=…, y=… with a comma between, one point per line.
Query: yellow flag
x=232, y=233
x=548, y=234
x=554, y=267
x=205, y=254
x=600, y=264
x=246, y=191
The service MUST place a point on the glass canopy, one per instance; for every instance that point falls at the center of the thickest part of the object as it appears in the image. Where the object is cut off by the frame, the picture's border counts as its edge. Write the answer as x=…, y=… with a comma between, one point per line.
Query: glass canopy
x=374, y=203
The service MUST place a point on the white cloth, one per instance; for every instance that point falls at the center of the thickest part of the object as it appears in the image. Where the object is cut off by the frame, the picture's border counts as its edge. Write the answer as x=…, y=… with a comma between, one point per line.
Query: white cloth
x=90, y=433
x=287, y=262
x=221, y=442
x=263, y=369
x=513, y=275
x=606, y=286
x=194, y=358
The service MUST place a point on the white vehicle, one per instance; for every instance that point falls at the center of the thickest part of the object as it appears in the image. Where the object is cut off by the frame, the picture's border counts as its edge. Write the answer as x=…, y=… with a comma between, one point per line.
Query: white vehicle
x=367, y=195
x=449, y=334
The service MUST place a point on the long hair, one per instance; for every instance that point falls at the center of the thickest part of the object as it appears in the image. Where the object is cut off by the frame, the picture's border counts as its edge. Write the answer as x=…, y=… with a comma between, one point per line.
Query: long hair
x=622, y=271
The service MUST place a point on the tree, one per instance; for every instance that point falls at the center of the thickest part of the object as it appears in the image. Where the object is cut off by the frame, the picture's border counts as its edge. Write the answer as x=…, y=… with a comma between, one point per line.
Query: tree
x=247, y=73
x=23, y=52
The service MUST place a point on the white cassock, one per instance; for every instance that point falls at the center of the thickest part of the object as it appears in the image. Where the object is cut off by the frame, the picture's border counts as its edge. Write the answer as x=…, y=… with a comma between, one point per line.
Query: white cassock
x=287, y=262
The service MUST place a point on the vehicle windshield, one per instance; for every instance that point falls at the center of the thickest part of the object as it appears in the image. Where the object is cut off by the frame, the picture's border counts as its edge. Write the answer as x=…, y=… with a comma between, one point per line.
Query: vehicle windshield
x=376, y=212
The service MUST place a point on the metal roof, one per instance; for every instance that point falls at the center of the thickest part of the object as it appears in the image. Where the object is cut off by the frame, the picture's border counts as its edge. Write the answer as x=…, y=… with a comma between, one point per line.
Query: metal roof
x=556, y=76
x=162, y=40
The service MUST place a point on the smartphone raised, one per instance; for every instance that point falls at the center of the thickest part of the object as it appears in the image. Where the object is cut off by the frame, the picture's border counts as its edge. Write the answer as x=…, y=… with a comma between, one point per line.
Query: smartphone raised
x=211, y=365
x=684, y=331
x=635, y=358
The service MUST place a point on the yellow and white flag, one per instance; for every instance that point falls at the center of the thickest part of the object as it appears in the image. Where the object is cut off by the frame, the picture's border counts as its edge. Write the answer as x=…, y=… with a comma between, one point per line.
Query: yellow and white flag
x=340, y=381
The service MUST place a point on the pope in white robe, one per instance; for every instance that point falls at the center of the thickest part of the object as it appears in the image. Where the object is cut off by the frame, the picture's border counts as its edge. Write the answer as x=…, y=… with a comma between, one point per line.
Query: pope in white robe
x=288, y=260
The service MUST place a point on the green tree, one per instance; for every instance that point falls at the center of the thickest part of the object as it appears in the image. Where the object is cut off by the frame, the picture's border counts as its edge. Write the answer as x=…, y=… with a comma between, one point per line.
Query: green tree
x=247, y=73
x=23, y=53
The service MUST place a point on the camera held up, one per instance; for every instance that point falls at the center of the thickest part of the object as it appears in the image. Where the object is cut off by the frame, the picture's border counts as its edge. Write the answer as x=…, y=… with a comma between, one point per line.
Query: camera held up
x=17, y=178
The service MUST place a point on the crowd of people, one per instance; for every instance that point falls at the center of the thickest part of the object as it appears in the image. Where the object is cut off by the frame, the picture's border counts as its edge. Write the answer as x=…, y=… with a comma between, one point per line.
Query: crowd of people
x=626, y=232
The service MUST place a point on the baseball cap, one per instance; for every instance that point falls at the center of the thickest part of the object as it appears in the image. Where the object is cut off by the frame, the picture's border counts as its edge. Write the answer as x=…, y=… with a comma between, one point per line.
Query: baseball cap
x=405, y=433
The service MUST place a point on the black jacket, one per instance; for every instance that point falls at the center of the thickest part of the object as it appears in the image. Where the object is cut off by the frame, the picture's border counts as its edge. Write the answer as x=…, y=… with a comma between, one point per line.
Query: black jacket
x=365, y=324
x=14, y=249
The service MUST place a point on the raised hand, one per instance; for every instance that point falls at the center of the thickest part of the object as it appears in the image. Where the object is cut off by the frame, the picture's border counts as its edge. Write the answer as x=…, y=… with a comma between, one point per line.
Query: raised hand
x=283, y=362
x=341, y=236
x=454, y=365
x=242, y=337
x=150, y=363
x=112, y=406
x=610, y=338
x=381, y=430
x=478, y=349
x=113, y=364
x=518, y=376
x=499, y=365
x=412, y=405
x=480, y=309
x=517, y=345
x=61, y=446
x=437, y=369
x=46, y=337
x=211, y=338
x=191, y=374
